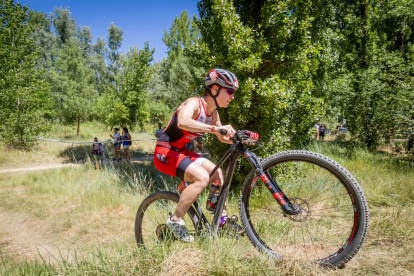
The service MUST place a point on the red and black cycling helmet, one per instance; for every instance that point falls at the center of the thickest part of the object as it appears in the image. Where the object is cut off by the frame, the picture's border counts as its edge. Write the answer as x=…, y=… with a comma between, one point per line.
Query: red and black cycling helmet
x=222, y=78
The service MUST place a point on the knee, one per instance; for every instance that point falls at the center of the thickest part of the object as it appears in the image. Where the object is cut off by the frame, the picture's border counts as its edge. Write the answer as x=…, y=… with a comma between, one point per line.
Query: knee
x=218, y=174
x=202, y=179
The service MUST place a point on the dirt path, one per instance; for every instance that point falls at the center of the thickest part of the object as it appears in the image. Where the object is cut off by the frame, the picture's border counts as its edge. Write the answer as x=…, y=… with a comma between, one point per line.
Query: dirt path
x=60, y=165
x=38, y=168
x=26, y=238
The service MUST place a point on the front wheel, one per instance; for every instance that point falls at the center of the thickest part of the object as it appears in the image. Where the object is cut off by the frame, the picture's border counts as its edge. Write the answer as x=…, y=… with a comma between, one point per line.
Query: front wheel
x=333, y=217
x=152, y=214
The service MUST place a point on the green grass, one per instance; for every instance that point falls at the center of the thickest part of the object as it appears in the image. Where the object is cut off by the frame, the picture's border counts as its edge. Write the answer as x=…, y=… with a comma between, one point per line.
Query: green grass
x=88, y=214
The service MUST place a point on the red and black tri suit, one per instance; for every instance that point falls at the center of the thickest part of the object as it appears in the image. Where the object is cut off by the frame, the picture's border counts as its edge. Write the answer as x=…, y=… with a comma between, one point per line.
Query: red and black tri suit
x=171, y=156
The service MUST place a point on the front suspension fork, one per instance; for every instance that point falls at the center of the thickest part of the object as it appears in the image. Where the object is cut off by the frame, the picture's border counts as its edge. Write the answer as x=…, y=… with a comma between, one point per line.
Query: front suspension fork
x=277, y=192
x=271, y=184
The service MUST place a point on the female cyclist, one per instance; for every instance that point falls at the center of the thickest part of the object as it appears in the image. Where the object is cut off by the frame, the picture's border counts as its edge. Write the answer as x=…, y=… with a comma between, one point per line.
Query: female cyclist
x=192, y=119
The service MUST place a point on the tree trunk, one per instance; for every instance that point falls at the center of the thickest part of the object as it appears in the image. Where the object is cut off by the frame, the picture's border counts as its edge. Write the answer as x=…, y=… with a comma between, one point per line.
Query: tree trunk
x=20, y=129
x=410, y=143
x=77, y=130
x=364, y=40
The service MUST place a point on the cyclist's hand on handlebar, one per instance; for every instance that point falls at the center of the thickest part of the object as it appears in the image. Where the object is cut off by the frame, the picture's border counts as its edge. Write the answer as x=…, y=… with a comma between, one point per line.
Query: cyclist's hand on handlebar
x=228, y=128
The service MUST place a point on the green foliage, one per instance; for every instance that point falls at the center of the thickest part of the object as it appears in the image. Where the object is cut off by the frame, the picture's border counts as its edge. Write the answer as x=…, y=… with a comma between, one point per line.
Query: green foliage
x=180, y=73
x=23, y=95
x=297, y=61
x=136, y=74
x=72, y=83
x=125, y=101
x=64, y=24
x=159, y=112
x=271, y=53
x=115, y=37
x=373, y=81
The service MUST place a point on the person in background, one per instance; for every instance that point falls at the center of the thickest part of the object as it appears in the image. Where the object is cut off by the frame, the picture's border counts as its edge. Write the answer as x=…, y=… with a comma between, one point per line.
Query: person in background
x=322, y=130
x=159, y=131
x=338, y=130
x=126, y=142
x=97, y=148
x=117, y=144
x=190, y=145
x=198, y=142
x=316, y=126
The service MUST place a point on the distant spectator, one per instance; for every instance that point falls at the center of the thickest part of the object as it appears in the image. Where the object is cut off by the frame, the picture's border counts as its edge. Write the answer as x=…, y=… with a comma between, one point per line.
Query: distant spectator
x=316, y=126
x=198, y=142
x=159, y=131
x=338, y=129
x=126, y=142
x=322, y=130
x=190, y=145
x=97, y=148
x=117, y=144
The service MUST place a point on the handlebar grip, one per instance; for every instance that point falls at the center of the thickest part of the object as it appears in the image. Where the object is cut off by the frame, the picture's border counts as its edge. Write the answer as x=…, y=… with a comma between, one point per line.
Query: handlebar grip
x=223, y=131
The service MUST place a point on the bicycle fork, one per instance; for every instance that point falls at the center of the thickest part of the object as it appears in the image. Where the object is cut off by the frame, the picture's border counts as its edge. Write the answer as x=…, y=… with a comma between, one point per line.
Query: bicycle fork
x=272, y=185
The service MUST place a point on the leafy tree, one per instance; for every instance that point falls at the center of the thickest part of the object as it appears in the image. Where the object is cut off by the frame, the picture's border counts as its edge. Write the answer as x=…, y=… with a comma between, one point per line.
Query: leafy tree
x=22, y=92
x=112, y=111
x=85, y=37
x=73, y=83
x=64, y=24
x=97, y=63
x=181, y=74
x=42, y=37
x=271, y=52
x=159, y=94
x=373, y=80
x=132, y=80
x=115, y=37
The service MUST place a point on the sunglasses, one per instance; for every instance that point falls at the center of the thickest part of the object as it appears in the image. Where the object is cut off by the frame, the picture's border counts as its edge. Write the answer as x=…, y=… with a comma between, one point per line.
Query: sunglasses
x=228, y=90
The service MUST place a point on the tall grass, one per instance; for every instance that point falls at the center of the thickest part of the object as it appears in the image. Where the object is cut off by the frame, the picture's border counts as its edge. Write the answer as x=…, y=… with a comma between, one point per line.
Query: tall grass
x=88, y=213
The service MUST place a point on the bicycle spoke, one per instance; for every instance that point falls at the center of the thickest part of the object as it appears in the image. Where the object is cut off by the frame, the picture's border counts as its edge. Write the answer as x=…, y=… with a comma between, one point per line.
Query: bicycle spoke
x=326, y=213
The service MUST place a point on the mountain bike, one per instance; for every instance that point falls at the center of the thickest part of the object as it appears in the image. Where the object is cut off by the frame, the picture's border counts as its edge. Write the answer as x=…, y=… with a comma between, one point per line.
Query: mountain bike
x=298, y=203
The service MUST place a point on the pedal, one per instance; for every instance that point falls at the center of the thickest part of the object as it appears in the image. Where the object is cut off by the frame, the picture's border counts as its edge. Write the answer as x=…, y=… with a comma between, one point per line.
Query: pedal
x=234, y=218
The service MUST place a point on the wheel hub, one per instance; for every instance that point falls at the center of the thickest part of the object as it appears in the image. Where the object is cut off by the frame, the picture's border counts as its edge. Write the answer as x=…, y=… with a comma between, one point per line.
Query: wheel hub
x=163, y=233
x=303, y=207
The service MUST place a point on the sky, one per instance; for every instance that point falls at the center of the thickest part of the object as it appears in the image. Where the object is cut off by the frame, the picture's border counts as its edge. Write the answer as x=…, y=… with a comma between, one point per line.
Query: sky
x=141, y=20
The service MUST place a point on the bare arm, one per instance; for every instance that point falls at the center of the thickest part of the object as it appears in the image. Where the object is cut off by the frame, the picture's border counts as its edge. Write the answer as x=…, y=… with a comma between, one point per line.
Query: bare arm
x=186, y=114
x=226, y=138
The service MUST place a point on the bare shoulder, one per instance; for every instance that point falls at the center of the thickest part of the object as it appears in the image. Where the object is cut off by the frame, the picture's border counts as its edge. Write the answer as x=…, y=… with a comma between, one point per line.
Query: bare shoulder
x=190, y=103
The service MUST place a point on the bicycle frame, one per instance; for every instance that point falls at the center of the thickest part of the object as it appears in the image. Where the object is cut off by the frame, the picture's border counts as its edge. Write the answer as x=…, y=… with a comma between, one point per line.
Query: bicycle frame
x=237, y=150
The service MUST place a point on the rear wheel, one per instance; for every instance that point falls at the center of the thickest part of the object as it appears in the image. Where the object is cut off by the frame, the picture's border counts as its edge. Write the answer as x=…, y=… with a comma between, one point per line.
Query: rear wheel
x=152, y=214
x=333, y=220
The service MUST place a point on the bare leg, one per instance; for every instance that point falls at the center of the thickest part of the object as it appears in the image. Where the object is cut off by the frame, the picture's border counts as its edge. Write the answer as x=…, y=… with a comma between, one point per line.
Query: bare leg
x=199, y=177
x=117, y=153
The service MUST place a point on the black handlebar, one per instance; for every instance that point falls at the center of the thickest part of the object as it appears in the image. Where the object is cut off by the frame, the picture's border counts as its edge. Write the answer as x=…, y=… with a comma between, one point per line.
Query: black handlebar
x=223, y=131
x=237, y=137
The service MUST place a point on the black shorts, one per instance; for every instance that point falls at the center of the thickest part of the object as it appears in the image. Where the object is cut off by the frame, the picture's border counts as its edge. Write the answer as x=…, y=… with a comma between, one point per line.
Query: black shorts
x=322, y=134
